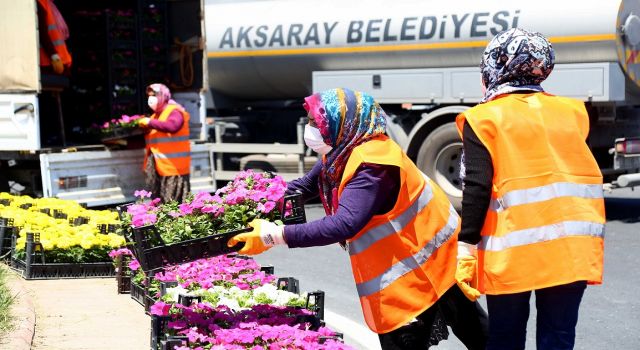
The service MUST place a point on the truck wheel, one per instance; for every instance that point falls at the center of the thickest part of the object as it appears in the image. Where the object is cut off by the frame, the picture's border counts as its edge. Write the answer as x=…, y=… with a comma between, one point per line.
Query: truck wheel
x=439, y=158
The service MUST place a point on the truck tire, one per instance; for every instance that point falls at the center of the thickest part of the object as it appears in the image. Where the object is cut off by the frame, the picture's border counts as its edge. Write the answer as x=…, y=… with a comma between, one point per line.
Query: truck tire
x=439, y=158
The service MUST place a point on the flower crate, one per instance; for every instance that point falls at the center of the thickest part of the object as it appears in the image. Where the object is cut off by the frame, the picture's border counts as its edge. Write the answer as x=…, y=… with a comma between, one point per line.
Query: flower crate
x=30, y=269
x=123, y=278
x=161, y=340
x=138, y=293
x=60, y=271
x=152, y=253
x=152, y=258
x=130, y=138
x=6, y=230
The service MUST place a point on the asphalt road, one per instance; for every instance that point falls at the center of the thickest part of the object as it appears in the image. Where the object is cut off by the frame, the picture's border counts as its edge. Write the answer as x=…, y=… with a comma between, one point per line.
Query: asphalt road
x=609, y=314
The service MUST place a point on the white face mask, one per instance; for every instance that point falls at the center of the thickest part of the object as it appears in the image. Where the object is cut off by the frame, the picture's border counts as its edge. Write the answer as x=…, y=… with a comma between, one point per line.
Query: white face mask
x=313, y=139
x=152, y=102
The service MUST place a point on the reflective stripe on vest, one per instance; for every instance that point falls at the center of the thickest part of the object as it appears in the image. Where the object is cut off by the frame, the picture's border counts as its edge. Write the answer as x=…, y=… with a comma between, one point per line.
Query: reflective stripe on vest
x=413, y=262
x=168, y=139
x=546, y=192
x=171, y=155
x=542, y=234
x=379, y=232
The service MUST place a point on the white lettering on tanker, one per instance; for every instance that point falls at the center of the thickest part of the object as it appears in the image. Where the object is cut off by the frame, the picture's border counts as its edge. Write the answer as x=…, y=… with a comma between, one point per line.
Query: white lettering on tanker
x=480, y=25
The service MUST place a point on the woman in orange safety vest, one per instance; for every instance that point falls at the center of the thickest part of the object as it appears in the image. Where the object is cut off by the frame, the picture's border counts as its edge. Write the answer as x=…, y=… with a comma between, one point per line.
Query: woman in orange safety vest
x=52, y=33
x=397, y=225
x=168, y=151
x=532, y=197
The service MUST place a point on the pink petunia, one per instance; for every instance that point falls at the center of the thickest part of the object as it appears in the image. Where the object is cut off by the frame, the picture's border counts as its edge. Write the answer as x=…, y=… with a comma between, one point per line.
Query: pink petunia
x=266, y=207
x=134, y=265
x=160, y=308
x=185, y=209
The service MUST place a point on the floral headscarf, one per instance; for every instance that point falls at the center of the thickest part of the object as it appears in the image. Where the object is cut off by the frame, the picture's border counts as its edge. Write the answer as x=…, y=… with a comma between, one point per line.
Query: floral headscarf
x=164, y=97
x=346, y=119
x=516, y=60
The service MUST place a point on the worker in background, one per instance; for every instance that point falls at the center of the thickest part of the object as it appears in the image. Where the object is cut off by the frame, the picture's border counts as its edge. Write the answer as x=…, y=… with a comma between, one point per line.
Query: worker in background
x=53, y=32
x=167, y=159
x=532, y=199
x=398, y=226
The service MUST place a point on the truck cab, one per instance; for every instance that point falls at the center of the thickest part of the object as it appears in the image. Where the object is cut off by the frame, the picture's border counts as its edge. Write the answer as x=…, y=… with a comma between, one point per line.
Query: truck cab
x=49, y=144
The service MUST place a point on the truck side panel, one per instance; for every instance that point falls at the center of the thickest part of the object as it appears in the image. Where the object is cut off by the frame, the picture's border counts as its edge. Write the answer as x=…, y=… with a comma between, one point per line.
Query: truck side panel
x=100, y=178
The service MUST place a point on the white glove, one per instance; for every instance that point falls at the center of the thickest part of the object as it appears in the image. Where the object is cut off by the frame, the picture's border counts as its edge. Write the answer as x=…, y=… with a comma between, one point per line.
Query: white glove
x=270, y=233
x=466, y=249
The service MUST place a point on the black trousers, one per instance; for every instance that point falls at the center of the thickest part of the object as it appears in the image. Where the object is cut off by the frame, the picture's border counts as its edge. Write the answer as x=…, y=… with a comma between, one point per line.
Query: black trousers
x=467, y=319
x=556, y=322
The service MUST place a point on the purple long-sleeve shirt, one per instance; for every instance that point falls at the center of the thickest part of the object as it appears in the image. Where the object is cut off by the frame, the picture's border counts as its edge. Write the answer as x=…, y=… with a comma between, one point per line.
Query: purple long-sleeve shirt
x=373, y=190
x=171, y=125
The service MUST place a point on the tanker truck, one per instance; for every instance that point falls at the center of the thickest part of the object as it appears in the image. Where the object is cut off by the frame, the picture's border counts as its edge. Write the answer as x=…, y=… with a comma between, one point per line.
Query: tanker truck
x=420, y=60
x=117, y=49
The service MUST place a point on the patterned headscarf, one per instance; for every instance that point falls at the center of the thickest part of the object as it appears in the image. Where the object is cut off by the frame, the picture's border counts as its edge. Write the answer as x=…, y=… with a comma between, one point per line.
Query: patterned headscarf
x=345, y=119
x=164, y=97
x=515, y=60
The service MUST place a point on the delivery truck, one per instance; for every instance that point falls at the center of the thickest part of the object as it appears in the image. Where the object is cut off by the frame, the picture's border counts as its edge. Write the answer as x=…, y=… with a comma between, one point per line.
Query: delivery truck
x=49, y=139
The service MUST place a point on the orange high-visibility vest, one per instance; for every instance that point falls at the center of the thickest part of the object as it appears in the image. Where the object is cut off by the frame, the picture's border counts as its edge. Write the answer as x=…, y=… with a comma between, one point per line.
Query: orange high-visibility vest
x=55, y=36
x=171, y=152
x=545, y=224
x=404, y=260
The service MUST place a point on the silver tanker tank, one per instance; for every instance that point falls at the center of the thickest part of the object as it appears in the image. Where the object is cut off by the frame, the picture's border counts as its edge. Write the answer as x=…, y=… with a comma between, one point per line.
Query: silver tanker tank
x=268, y=49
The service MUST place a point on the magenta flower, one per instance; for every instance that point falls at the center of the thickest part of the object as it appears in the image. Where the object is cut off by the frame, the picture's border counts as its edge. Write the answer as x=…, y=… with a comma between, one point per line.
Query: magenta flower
x=143, y=219
x=134, y=265
x=185, y=209
x=119, y=252
x=266, y=207
x=160, y=309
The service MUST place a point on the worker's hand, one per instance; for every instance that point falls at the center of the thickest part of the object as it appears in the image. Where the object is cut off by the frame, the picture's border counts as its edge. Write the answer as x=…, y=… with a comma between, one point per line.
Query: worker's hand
x=56, y=64
x=466, y=277
x=144, y=121
x=466, y=250
x=265, y=235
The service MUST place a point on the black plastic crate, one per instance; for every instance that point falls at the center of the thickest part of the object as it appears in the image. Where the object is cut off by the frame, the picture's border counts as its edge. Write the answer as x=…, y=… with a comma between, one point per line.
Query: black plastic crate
x=161, y=341
x=152, y=253
x=137, y=293
x=123, y=277
x=61, y=271
x=151, y=258
x=35, y=267
x=6, y=230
